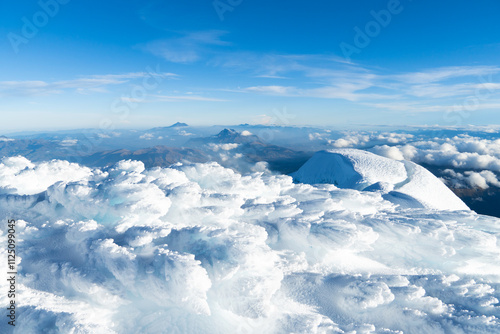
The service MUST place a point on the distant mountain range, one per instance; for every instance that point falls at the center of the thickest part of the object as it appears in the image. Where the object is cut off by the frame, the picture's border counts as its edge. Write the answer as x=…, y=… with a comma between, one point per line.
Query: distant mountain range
x=200, y=149
x=33, y=149
x=176, y=125
x=279, y=158
x=226, y=136
x=285, y=149
x=157, y=156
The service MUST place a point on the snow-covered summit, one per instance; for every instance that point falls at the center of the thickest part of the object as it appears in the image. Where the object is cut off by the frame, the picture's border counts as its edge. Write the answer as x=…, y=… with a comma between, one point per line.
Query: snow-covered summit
x=401, y=182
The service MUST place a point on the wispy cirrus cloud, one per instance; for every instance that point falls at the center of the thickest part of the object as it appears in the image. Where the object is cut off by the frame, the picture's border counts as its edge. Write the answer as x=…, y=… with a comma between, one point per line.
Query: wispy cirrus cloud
x=331, y=77
x=444, y=73
x=280, y=66
x=94, y=83
x=436, y=89
x=26, y=88
x=316, y=76
x=409, y=107
x=172, y=98
x=187, y=48
x=345, y=92
x=277, y=90
x=309, y=76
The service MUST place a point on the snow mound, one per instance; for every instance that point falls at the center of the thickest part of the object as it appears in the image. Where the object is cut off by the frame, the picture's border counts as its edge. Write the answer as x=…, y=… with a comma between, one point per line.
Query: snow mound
x=199, y=248
x=401, y=182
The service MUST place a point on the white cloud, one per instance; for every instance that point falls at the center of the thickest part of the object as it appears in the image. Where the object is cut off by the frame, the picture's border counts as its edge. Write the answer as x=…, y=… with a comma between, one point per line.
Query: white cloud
x=388, y=151
x=18, y=175
x=348, y=142
x=318, y=136
x=444, y=73
x=26, y=88
x=279, y=90
x=348, y=85
x=471, y=179
x=147, y=136
x=5, y=139
x=96, y=83
x=184, y=133
x=418, y=107
x=173, y=98
x=318, y=77
x=460, y=152
x=187, y=49
x=432, y=87
x=69, y=142
x=362, y=139
x=478, y=157
x=223, y=147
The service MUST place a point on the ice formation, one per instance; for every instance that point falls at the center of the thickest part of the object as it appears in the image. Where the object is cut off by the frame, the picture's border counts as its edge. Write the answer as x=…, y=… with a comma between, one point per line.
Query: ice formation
x=198, y=248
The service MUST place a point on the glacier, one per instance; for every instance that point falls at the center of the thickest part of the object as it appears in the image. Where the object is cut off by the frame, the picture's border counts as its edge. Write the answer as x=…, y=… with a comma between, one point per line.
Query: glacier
x=199, y=248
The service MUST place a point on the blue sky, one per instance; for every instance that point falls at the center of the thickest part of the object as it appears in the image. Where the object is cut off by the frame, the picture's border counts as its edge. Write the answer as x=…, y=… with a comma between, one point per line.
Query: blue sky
x=122, y=64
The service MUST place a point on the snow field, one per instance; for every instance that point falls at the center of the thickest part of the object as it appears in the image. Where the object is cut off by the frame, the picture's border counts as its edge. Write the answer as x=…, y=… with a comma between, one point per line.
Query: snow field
x=203, y=249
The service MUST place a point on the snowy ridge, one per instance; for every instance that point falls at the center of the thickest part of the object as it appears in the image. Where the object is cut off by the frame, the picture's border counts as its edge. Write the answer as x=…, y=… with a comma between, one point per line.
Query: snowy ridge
x=199, y=248
x=401, y=182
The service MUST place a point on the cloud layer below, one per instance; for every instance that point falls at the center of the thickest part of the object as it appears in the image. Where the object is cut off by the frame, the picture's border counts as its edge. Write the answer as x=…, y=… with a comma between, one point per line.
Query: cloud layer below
x=472, y=160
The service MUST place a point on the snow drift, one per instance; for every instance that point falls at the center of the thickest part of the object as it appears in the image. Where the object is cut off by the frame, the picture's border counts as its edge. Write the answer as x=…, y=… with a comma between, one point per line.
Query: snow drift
x=198, y=248
x=400, y=182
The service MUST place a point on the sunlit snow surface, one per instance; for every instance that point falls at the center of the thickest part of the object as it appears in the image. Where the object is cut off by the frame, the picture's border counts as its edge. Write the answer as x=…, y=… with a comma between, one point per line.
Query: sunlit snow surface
x=202, y=249
x=401, y=182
